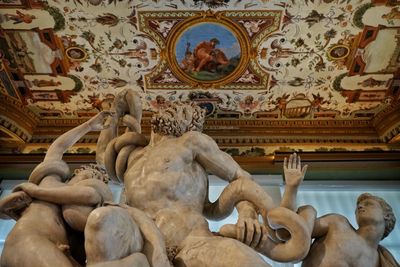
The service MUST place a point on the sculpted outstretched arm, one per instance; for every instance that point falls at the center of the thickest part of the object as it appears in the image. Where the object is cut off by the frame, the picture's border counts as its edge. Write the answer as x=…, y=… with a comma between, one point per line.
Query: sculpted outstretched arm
x=65, y=141
x=294, y=175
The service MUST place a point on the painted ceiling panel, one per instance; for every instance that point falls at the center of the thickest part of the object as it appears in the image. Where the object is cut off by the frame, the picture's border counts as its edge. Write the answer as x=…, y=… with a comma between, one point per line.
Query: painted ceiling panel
x=256, y=60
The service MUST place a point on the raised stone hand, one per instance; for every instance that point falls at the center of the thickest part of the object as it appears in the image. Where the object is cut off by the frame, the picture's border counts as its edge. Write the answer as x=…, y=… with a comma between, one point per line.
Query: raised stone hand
x=127, y=105
x=120, y=105
x=294, y=174
x=100, y=122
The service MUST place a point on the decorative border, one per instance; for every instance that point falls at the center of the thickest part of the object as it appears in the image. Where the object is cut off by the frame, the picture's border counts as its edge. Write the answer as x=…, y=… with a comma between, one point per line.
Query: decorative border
x=274, y=15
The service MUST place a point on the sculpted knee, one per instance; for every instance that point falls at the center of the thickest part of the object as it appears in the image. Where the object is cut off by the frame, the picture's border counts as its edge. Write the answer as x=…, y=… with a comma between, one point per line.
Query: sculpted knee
x=99, y=217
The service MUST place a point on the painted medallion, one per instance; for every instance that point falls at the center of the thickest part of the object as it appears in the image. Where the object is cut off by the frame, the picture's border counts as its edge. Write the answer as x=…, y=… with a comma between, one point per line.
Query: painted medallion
x=207, y=51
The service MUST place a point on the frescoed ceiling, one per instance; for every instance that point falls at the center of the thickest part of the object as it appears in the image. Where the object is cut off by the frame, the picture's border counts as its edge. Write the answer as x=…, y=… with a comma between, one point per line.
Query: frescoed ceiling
x=309, y=75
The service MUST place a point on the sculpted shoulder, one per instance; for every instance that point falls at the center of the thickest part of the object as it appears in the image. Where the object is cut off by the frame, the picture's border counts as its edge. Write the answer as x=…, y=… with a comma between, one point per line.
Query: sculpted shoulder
x=336, y=221
x=196, y=138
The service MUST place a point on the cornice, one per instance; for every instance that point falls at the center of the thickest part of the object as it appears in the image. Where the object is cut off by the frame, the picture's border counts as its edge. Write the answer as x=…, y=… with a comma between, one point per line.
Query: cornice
x=387, y=122
x=17, y=118
x=244, y=132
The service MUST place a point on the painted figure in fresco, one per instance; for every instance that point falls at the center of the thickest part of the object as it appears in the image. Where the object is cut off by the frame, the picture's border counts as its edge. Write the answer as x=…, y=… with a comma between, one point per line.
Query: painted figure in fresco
x=45, y=83
x=76, y=53
x=136, y=54
x=20, y=17
x=205, y=53
x=167, y=179
x=371, y=82
x=337, y=243
x=393, y=14
x=188, y=62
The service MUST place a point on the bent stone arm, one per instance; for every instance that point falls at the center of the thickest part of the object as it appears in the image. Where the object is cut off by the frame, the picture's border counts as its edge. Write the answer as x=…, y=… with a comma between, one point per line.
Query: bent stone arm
x=72, y=195
x=245, y=192
x=105, y=137
x=126, y=101
x=66, y=140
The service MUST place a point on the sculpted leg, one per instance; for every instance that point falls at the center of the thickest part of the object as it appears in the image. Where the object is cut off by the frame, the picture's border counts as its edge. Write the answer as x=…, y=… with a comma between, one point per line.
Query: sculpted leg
x=154, y=244
x=114, y=238
x=134, y=260
x=38, y=252
x=204, y=59
x=110, y=235
x=217, y=252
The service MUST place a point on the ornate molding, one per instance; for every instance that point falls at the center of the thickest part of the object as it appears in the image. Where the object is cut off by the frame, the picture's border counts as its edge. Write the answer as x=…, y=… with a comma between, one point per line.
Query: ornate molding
x=17, y=118
x=242, y=132
x=246, y=132
x=387, y=122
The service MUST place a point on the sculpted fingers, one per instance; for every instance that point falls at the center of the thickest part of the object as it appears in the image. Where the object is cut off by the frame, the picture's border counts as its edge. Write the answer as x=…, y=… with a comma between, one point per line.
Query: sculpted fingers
x=294, y=162
x=263, y=238
x=298, y=163
x=240, y=230
x=249, y=225
x=304, y=170
x=285, y=164
x=257, y=234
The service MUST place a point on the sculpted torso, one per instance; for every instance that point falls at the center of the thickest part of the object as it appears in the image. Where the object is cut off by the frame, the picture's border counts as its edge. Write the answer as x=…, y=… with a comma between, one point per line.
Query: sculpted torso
x=48, y=232
x=341, y=247
x=167, y=183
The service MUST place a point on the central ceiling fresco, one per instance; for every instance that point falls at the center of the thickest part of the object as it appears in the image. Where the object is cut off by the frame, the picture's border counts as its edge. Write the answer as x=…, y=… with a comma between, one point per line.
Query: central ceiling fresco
x=312, y=60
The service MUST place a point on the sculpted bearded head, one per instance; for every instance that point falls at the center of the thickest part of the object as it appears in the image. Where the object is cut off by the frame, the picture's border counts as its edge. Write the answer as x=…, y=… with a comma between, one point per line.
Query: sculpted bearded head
x=178, y=118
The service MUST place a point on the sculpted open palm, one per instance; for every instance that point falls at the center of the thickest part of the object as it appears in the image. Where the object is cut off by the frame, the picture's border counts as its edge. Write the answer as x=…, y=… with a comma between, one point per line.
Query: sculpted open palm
x=294, y=174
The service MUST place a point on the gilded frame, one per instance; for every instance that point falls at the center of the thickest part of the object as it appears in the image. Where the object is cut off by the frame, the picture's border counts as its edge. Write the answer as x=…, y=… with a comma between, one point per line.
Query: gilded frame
x=201, y=19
